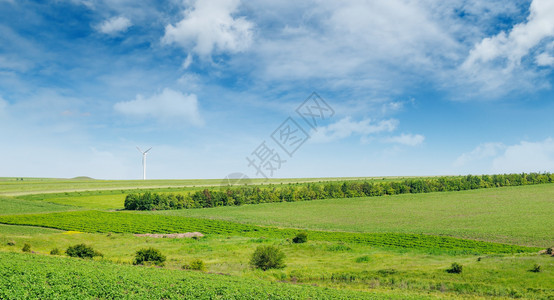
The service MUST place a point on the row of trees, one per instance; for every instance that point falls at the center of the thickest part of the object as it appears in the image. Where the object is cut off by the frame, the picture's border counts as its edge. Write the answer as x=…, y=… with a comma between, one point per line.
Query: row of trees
x=325, y=190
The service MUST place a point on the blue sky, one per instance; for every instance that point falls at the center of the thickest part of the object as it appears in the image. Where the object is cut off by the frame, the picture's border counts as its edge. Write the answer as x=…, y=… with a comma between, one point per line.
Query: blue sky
x=416, y=87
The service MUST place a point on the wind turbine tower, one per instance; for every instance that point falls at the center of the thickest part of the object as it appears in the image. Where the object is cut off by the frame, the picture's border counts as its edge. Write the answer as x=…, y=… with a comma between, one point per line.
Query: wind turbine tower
x=143, y=162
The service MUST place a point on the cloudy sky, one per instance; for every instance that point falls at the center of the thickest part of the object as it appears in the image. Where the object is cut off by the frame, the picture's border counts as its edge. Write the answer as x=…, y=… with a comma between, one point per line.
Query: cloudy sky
x=405, y=87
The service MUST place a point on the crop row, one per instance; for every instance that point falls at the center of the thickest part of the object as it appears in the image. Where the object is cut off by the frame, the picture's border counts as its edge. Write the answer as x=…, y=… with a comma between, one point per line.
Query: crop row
x=126, y=222
x=31, y=276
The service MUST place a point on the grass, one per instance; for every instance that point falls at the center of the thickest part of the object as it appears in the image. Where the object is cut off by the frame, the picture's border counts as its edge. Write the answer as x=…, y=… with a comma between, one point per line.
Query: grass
x=328, y=264
x=9, y=206
x=127, y=222
x=370, y=244
x=63, y=278
x=518, y=215
x=12, y=187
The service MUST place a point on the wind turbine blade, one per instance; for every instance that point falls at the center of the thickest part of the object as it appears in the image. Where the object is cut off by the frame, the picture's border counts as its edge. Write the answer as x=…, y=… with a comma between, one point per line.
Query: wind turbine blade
x=139, y=149
x=148, y=150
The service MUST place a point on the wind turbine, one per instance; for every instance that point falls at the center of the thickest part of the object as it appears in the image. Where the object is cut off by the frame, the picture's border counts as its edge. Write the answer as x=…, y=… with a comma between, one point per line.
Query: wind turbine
x=143, y=162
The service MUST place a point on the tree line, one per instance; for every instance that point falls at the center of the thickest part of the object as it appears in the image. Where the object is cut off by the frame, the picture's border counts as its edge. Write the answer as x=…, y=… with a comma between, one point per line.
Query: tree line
x=239, y=195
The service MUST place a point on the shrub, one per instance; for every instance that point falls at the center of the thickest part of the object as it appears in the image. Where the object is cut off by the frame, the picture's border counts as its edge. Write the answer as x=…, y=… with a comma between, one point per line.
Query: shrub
x=362, y=259
x=26, y=248
x=82, y=251
x=11, y=243
x=456, y=268
x=385, y=272
x=196, y=264
x=149, y=256
x=550, y=251
x=338, y=247
x=55, y=251
x=536, y=268
x=300, y=238
x=268, y=257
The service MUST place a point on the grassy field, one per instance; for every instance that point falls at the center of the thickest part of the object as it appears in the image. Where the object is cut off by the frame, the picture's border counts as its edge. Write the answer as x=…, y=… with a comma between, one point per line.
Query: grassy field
x=328, y=264
x=24, y=276
x=10, y=206
x=11, y=186
x=509, y=215
x=372, y=244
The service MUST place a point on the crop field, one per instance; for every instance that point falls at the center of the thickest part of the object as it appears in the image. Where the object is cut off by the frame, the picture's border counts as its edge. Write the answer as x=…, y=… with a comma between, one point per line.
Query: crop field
x=14, y=186
x=508, y=215
x=29, y=276
x=396, y=247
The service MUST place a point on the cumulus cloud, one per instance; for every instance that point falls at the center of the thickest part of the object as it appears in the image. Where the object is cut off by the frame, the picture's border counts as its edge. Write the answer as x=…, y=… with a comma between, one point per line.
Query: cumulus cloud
x=170, y=105
x=346, y=127
x=517, y=43
x=500, y=158
x=526, y=157
x=407, y=139
x=544, y=59
x=486, y=150
x=115, y=25
x=210, y=27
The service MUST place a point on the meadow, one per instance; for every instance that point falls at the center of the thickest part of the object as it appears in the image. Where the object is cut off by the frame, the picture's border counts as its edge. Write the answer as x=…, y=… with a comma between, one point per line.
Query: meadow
x=396, y=247
x=508, y=215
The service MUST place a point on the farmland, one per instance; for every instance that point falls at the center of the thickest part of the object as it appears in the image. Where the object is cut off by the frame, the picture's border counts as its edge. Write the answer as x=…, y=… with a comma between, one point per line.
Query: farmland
x=395, y=247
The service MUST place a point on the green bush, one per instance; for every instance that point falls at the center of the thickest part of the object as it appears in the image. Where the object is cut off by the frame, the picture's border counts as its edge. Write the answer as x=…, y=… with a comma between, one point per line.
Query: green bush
x=300, y=238
x=238, y=195
x=55, y=251
x=536, y=268
x=386, y=272
x=338, y=247
x=82, y=251
x=149, y=256
x=26, y=248
x=456, y=268
x=268, y=257
x=549, y=251
x=11, y=243
x=196, y=264
x=362, y=259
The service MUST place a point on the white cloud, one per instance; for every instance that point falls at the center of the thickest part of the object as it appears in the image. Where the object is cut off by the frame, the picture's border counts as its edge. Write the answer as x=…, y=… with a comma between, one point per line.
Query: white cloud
x=115, y=25
x=544, y=59
x=209, y=27
x=526, y=157
x=346, y=127
x=482, y=151
x=170, y=105
x=407, y=139
x=187, y=62
x=499, y=158
x=516, y=44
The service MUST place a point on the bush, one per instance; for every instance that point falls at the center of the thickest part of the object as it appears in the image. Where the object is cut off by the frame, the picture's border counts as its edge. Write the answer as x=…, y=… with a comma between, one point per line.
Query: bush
x=26, y=248
x=536, y=268
x=338, y=247
x=549, y=251
x=456, y=268
x=268, y=257
x=11, y=243
x=55, y=251
x=362, y=259
x=149, y=256
x=196, y=264
x=300, y=238
x=82, y=251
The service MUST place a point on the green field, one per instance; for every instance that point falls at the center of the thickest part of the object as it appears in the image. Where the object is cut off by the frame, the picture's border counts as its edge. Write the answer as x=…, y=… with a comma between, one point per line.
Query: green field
x=372, y=248
x=11, y=186
x=509, y=215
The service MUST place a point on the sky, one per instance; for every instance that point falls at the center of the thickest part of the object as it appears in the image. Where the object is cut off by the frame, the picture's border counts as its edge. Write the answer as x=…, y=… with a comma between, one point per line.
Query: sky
x=275, y=89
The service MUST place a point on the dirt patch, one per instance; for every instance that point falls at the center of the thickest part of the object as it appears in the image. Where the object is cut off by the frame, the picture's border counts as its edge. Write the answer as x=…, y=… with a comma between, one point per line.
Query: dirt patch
x=172, y=235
